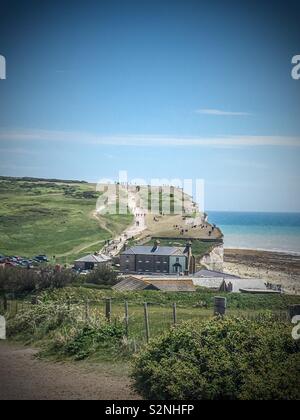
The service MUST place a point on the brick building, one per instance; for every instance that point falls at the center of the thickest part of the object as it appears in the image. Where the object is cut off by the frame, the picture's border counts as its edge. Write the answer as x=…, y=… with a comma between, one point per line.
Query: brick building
x=158, y=259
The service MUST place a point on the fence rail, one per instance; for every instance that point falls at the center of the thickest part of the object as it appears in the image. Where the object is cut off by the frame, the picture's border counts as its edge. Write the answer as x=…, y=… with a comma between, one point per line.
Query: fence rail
x=142, y=321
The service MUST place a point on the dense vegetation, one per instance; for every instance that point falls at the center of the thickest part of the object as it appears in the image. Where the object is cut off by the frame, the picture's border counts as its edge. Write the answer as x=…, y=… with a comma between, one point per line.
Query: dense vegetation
x=76, y=297
x=19, y=283
x=102, y=276
x=65, y=330
x=221, y=359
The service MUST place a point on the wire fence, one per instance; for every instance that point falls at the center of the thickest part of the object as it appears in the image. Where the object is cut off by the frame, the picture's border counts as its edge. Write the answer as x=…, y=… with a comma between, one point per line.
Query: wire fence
x=141, y=321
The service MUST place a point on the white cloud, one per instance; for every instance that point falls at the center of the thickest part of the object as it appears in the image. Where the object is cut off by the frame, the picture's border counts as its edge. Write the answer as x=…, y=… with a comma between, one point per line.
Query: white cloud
x=220, y=112
x=147, y=140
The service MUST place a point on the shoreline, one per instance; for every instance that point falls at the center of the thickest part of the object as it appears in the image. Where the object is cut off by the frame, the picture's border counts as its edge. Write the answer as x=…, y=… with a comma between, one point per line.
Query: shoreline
x=276, y=267
x=273, y=251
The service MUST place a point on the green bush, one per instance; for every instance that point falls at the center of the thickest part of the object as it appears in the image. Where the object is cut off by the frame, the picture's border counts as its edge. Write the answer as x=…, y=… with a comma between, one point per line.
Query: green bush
x=221, y=359
x=66, y=330
x=20, y=281
x=102, y=276
x=36, y=321
x=89, y=339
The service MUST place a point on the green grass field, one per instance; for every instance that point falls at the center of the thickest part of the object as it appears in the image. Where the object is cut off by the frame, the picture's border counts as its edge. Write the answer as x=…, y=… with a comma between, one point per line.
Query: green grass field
x=53, y=218
x=190, y=306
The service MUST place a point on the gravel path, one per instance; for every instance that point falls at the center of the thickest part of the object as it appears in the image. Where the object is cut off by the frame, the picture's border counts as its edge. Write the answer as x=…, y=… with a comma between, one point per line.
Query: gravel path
x=23, y=377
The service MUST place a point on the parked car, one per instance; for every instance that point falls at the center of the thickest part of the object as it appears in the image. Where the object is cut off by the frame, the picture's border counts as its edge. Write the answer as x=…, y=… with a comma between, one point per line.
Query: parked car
x=25, y=263
x=41, y=258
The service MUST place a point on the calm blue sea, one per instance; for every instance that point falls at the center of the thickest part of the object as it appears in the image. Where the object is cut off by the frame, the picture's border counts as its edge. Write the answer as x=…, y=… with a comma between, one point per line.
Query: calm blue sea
x=268, y=231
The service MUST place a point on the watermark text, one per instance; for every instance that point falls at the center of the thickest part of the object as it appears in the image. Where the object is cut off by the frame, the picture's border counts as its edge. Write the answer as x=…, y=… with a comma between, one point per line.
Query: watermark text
x=296, y=68
x=2, y=67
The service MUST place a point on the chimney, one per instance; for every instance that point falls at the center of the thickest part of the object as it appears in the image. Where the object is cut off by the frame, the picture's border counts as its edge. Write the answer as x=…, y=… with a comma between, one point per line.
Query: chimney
x=188, y=251
x=156, y=246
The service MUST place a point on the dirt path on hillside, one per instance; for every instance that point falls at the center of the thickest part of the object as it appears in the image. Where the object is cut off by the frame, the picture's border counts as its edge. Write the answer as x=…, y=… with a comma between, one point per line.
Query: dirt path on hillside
x=23, y=377
x=80, y=248
x=114, y=246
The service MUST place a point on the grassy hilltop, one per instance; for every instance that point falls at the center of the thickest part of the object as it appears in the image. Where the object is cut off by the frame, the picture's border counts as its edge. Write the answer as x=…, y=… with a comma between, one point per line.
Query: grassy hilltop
x=53, y=217
x=58, y=218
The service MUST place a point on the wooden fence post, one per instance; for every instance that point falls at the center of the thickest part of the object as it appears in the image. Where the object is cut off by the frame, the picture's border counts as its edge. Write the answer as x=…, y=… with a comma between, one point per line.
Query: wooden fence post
x=108, y=309
x=5, y=304
x=220, y=304
x=86, y=311
x=174, y=313
x=146, y=315
x=126, y=319
x=293, y=310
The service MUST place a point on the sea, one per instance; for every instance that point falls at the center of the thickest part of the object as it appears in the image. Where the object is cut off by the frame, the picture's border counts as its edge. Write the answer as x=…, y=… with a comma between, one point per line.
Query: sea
x=263, y=231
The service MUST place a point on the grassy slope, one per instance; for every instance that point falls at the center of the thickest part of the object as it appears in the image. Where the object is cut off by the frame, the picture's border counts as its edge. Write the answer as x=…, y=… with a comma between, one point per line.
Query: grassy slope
x=199, y=248
x=38, y=217
x=54, y=218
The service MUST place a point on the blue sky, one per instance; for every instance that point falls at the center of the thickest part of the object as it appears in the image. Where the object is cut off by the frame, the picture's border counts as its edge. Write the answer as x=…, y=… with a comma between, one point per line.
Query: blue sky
x=168, y=89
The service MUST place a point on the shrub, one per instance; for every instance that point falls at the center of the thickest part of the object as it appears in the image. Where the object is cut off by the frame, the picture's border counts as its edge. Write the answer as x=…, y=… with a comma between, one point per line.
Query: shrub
x=17, y=280
x=221, y=359
x=88, y=339
x=102, y=275
x=64, y=329
x=35, y=321
x=54, y=279
x=20, y=281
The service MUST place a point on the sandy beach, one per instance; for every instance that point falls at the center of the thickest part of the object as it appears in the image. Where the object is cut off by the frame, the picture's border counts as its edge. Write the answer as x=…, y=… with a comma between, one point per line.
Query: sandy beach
x=275, y=267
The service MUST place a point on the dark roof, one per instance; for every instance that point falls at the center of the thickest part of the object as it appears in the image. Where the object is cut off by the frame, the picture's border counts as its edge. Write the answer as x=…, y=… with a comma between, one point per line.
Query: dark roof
x=175, y=285
x=151, y=250
x=162, y=283
x=130, y=283
x=100, y=258
x=214, y=274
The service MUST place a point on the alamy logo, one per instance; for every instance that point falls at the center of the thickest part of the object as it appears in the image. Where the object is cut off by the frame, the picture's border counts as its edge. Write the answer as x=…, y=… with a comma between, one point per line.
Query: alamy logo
x=2, y=328
x=2, y=67
x=296, y=68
